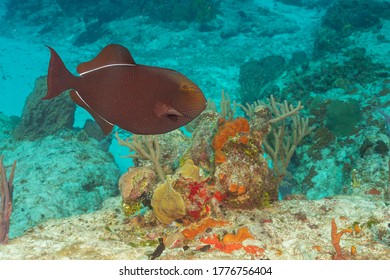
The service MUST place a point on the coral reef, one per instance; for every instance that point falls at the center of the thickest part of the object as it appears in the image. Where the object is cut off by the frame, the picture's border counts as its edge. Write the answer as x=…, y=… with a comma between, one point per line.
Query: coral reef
x=145, y=147
x=162, y=152
x=223, y=166
x=168, y=205
x=62, y=175
x=43, y=118
x=241, y=172
x=228, y=187
x=95, y=18
x=200, y=150
x=136, y=182
x=342, y=118
x=342, y=19
x=257, y=77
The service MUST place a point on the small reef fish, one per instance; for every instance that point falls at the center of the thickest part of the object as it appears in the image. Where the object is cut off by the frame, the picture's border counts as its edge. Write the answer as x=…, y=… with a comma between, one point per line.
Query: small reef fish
x=117, y=91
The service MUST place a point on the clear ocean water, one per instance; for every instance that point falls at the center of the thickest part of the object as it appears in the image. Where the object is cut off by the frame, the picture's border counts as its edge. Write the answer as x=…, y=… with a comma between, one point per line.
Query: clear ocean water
x=295, y=134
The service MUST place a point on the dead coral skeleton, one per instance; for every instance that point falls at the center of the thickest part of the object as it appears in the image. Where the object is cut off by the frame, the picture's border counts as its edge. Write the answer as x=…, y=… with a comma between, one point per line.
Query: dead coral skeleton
x=145, y=147
x=6, y=191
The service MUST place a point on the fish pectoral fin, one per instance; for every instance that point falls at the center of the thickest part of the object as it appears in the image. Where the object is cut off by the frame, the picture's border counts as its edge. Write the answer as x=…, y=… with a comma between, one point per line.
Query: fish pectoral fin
x=105, y=125
x=164, y=110
x=111, y=55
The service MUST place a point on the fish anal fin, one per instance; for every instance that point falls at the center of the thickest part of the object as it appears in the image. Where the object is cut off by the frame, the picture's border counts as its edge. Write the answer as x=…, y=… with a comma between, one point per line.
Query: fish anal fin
x=104, y=124
x=111, y=54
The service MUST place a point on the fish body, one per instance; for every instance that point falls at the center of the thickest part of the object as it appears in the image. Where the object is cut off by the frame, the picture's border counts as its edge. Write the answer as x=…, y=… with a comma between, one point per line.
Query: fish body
x=116, y=91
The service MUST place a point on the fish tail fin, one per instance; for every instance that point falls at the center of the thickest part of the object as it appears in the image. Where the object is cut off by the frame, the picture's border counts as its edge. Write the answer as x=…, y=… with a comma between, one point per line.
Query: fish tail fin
x=59, y=78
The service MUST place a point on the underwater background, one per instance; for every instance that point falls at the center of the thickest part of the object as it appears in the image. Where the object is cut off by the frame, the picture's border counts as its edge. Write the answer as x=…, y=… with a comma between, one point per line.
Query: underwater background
x=294, y=142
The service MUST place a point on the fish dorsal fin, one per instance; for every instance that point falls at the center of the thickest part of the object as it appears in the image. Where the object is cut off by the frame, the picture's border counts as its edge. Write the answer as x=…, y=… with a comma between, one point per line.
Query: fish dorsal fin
x=105, y=125
x=111, y=55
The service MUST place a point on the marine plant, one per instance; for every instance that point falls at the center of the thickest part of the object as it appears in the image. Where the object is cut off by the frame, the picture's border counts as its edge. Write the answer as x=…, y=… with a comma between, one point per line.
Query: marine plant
x=6, y=191
x=144, y=147
x=284, y=138
x=227, y=108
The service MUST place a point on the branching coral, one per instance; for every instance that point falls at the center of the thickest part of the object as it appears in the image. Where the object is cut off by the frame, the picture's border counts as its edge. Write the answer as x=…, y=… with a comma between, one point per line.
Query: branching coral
x=336, y=236
x=6, y=191
x=250, y=108
x=145, y=147
x=227, y=107
x=283, y=139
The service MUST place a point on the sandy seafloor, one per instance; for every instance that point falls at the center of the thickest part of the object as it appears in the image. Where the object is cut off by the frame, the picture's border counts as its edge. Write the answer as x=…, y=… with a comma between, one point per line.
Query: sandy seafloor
x=290, y=230
x=295, y=229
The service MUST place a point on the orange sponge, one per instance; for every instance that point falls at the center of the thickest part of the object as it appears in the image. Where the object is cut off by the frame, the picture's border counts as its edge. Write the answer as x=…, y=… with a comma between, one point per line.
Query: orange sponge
x=242, y=234
x=226, y=130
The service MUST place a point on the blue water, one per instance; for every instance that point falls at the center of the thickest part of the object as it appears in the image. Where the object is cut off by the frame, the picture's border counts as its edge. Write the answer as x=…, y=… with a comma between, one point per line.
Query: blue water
x=333, y=56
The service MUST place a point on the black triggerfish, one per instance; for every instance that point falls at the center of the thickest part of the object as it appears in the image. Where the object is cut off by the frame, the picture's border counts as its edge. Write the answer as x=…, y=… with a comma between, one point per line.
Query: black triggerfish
x=117, y=91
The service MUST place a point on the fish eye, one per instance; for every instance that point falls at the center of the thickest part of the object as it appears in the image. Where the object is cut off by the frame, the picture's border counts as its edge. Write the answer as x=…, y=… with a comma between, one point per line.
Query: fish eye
x=173, y=117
